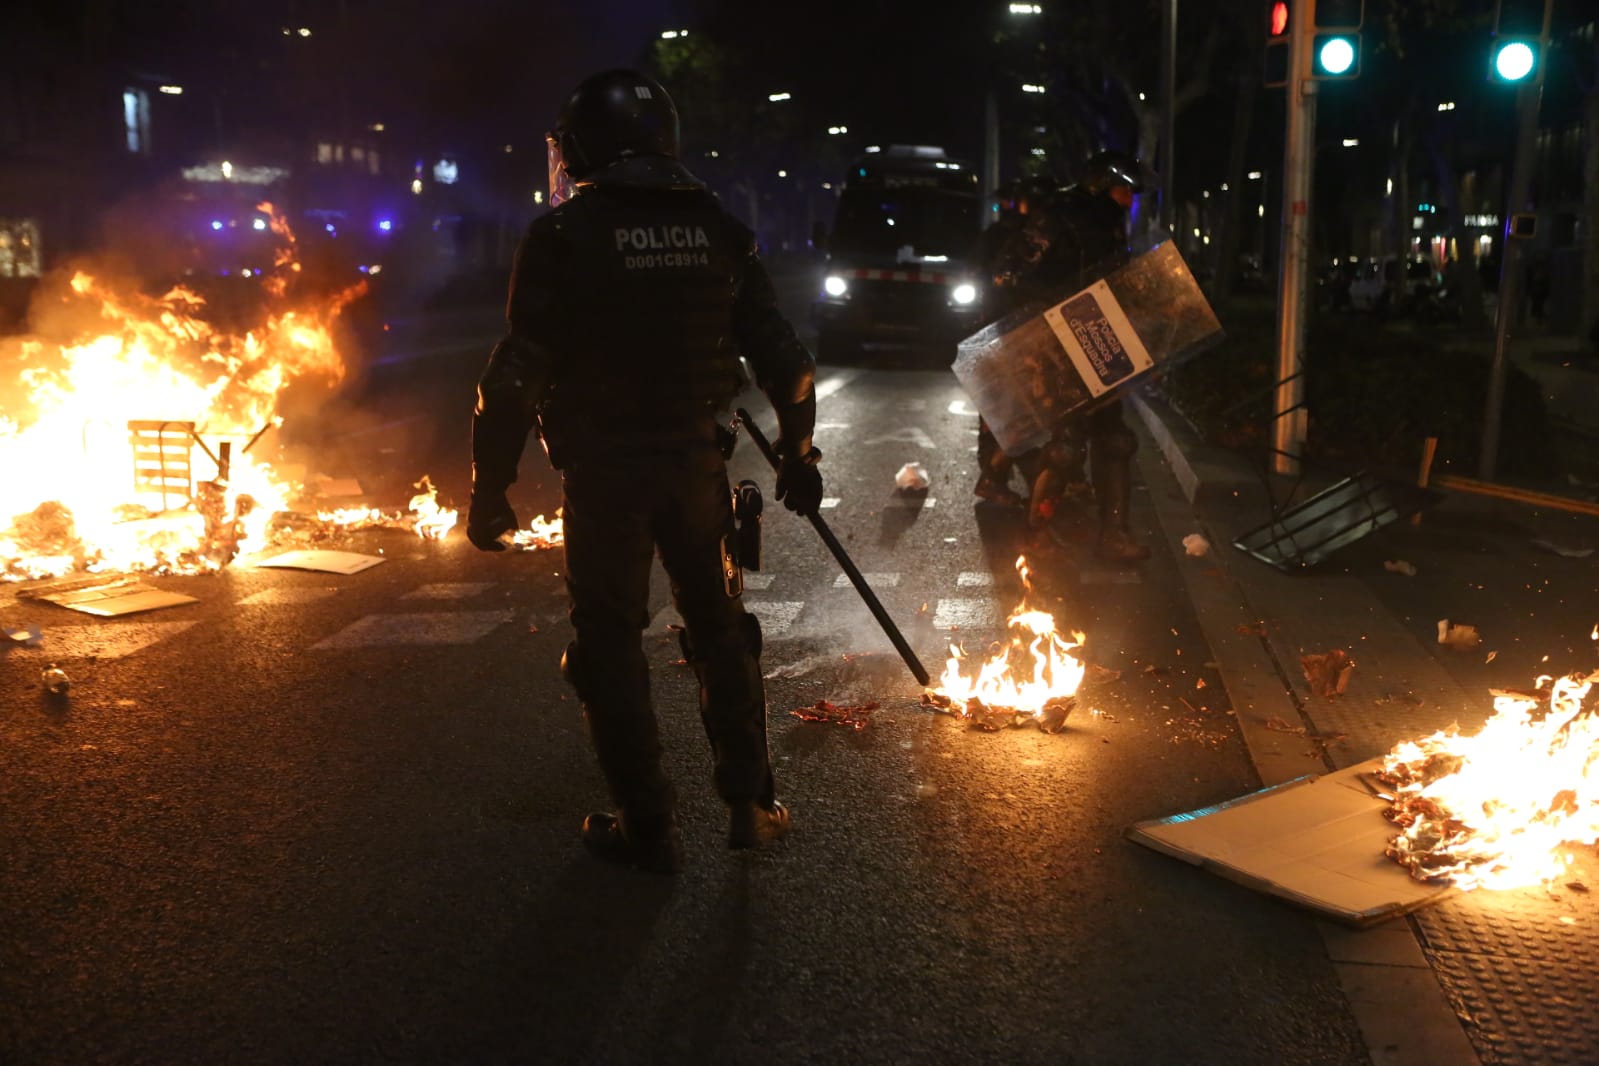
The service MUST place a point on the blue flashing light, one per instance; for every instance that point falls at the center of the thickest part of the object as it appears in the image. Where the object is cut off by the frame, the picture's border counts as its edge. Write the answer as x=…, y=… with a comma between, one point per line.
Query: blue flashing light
x=329, y=227
x=363, y=268
x=385, y=224
x=216, y=223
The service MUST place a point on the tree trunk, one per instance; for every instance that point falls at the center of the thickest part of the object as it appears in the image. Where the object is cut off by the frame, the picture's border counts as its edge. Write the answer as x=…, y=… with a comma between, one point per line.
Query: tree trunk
x=1398, y=242
x=1232, y=222
x=1589, y=322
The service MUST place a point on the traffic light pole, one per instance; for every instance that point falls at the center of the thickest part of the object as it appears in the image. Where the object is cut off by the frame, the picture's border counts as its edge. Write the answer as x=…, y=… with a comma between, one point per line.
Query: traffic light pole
x=1289, y=421
x=1510, y=274
x=1528, y=97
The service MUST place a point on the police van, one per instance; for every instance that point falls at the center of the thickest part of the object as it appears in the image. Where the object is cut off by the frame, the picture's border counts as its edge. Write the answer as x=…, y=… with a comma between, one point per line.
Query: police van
x=902, y=254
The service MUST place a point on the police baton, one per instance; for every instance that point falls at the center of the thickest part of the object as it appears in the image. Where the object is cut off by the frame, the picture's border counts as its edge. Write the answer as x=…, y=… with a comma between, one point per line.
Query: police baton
x=917, y=669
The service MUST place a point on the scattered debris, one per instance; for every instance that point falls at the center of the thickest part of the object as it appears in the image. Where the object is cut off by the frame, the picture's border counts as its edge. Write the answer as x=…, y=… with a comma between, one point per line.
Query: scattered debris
x=1252, y=629
x=1491, y=657
x=55, y=680
x=1561, y=549
x=1279, y=724
x=105, y=596
x=855, y=716
x=1457, y=636
x=1328, y=674
x=1196, y=545
x=327, y=562
x=1051, y=718
x=1399, y=566
x=912, y=477
x=1101, y=674
x=29, y=637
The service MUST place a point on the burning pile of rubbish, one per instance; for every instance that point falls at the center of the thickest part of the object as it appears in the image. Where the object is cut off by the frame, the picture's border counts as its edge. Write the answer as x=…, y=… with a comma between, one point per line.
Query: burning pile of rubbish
x=129, y=446
x=1031, y=678
x=1499, y=808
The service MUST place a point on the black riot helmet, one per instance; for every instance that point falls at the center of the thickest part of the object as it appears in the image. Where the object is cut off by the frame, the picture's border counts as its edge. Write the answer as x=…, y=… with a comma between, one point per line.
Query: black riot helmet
x=1117, y=175
x=611, y=115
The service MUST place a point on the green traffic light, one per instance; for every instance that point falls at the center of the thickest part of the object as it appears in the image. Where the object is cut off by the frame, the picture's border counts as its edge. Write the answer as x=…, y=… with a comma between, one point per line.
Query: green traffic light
x=1335, y=55
x=1514, y=61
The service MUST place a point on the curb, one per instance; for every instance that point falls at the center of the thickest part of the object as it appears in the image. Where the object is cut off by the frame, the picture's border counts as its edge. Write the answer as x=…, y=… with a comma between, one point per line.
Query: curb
x=1391, y=987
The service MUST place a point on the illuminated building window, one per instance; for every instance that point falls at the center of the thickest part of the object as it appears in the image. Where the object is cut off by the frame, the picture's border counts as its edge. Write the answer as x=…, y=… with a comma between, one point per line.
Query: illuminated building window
x=357, y=153
x=19, y=248
x=372, y=164
x=338, y=153
x=136, y=120
x=324, y=152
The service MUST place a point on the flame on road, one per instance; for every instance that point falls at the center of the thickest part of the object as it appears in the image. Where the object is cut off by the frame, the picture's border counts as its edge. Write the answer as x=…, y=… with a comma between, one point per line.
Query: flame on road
x=127, y=446
x=1497, y=809
x=540, y=534
x=1033, y=676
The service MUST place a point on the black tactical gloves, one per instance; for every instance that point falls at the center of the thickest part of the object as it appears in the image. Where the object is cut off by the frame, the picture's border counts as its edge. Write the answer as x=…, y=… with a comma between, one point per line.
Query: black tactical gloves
x=488, y=518
x=799, y=483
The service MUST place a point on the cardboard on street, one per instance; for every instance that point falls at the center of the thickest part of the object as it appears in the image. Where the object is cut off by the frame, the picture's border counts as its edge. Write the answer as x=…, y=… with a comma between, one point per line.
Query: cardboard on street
x=328, y=562
x=1315, y=841
x=106, y=597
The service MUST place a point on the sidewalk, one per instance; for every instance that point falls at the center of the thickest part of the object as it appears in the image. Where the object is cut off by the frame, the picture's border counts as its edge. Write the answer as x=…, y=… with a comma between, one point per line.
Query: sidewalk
x=1494, y=977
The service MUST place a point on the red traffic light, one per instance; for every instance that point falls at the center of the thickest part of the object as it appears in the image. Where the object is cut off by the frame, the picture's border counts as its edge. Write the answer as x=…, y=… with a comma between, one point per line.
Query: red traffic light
x=1279, y=18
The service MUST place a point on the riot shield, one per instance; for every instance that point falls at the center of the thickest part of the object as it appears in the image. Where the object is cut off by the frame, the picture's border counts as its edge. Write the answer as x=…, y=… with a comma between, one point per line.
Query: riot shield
x=1030, y=371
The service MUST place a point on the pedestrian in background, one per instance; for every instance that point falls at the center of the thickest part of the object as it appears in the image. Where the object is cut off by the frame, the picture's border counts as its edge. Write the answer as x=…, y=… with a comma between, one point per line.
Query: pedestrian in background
x=630, y=304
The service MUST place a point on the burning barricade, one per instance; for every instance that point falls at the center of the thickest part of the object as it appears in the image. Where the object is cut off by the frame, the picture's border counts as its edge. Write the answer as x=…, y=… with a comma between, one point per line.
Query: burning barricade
x=108, y=437
x=1032, y=677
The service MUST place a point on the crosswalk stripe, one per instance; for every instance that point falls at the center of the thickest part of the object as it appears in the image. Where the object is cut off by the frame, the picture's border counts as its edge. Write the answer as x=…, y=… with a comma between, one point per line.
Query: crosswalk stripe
x=449, y=590
x=877, y=581
x=775, y=615
x=64, y=643
x=828, y=503
x=435, y=627
x=285, y=597
x=966, y=613
x=758, y=582
x=974, y=579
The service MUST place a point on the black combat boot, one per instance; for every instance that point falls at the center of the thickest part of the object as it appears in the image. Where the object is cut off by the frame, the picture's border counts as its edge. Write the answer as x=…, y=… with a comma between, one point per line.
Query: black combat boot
x=752, y=824
x=607, y=837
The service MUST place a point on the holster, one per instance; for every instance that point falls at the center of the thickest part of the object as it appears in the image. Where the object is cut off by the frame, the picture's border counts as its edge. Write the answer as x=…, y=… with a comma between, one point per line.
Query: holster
x=747, y=506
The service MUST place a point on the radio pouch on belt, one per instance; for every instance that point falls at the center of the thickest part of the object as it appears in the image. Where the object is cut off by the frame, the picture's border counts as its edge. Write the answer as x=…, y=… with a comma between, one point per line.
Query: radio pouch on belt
x=747, y=514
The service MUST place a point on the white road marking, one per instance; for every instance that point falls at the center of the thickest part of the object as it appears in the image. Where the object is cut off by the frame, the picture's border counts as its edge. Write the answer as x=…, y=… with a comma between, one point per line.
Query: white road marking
x=974, y=579
x=835, y=382
x=110, y=641
x=909, y=435
x=758, y=582
x=958, y=407
x=877, y=581
x=966, y=613
x=775, y=615
x=436, y=627
x=830, y=425
x=828, y=503
x=916, y=403
x=285, y=597
x=456, y=590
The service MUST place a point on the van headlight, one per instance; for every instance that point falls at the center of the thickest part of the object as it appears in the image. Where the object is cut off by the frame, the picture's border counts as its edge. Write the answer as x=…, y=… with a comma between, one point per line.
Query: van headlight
x=964, y=293
x=834, y=285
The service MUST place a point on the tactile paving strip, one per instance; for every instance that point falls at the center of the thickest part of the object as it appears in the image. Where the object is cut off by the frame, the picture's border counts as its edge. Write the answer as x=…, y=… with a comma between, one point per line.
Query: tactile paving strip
x=1522, y=968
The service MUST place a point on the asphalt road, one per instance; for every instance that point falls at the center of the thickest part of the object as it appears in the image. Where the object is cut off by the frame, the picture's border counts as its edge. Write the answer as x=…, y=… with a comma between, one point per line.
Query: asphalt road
x=320, y=818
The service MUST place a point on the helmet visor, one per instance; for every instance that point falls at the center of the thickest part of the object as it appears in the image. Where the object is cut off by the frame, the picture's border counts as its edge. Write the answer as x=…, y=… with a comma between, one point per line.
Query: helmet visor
x=561, y=186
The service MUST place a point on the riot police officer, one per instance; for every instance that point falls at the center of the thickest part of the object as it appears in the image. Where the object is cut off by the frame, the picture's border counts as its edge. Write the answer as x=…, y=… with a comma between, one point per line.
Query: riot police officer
x=630, y=304
x=1062, y=237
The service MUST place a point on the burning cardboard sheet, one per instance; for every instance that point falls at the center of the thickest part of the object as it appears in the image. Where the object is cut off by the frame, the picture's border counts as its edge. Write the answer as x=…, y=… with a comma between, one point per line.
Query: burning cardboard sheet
x=327, y=562
x=1315, y=841
x=106, y=597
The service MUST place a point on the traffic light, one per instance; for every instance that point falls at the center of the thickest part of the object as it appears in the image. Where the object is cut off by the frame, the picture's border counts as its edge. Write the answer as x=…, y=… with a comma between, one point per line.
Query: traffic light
x=1335, y=45
x=1276, y=68
x=1520, y=30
